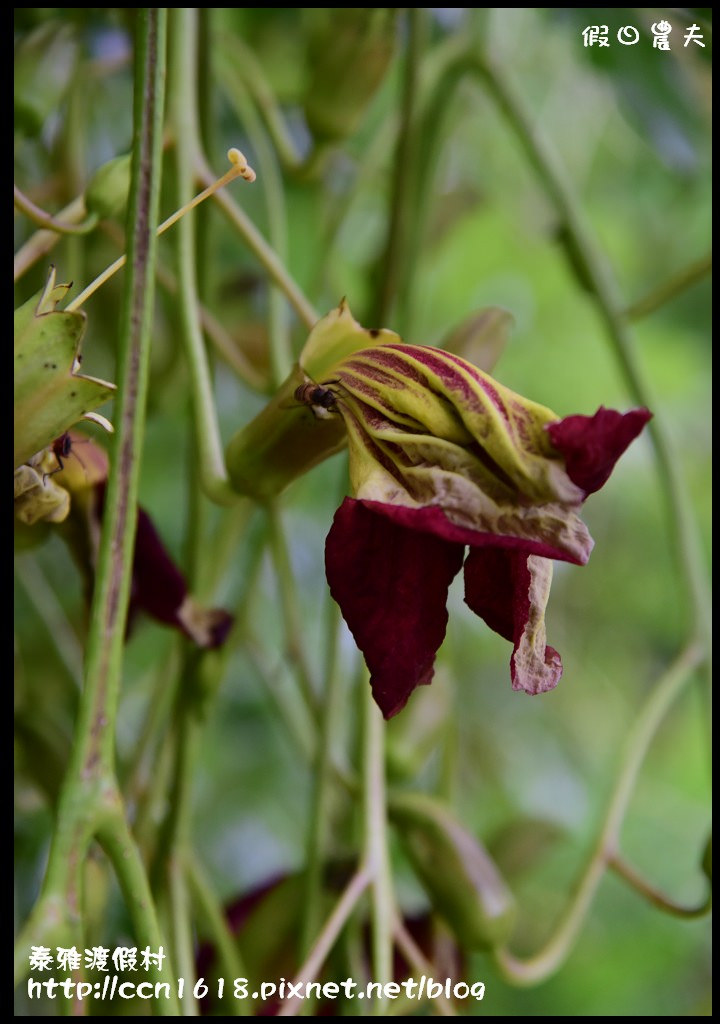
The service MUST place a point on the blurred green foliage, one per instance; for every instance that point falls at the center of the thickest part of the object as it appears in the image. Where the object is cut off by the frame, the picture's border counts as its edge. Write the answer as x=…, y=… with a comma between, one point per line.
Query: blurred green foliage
x=631, y=125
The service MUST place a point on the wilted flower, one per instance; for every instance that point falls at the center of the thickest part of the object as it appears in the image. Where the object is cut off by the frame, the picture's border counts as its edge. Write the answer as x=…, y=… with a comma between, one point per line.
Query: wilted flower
x=442, y=457
x=158, y=588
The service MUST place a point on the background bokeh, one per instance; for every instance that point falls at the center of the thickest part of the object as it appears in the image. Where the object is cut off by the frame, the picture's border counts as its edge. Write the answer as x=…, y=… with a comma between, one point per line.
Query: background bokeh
x=531, y=777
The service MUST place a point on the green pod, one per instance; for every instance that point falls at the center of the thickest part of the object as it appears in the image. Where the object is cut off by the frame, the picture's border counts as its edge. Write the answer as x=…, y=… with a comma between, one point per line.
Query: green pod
x=461, y=880
x=349, y=53
x=107, y=191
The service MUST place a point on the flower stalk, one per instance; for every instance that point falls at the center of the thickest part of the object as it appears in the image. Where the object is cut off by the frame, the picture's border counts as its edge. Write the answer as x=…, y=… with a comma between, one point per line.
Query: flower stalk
x=90, y=804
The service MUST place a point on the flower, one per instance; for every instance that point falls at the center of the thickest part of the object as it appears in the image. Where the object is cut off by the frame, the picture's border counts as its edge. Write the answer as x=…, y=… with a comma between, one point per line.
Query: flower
x=444, y=458
x=157, y=587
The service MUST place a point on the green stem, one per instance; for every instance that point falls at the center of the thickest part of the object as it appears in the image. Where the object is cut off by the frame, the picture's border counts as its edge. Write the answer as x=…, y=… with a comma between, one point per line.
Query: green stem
x=183, y=110
x=112, y=583
x=162, y=694
x=291, y=710
x=368, y=166
x=265, y=254
x=671, y=288
x=445, y=61
x=281, y=357
x=433, y=109
x=224, y=343
x=152, y=800
x=181, y=932
x=174, y=838
x=325, y=779
x=327, y=938
x=544, y=963
x=653, y=895
x=117, y=842
x=52, y=615
x=323, y=782
x=241, y=57
x=295, y=646
x=208, y=128
x=89, y=803
x=376, y=843
x=44, y=220
x=231, y=533
x=230, y=964
x=42, y=242
x=392, y=270
x=420, y=964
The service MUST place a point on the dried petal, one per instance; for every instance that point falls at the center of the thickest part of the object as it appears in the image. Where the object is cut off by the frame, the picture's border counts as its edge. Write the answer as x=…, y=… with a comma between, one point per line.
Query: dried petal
x=509, y=590
x=38, y=498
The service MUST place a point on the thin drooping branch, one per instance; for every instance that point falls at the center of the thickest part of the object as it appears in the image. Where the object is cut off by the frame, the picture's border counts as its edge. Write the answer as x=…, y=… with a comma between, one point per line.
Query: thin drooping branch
x=532, y=970
x=327, y=938
x=392, y=270
x=43, y=241
x=183, y=113
x=670, y=289
x=49, y=223
x=653, y=895
x=597, y=274
x=376, y=854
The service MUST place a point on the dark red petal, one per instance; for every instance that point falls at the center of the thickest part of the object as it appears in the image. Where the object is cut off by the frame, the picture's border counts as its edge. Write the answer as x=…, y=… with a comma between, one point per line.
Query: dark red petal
x=501, y=587
x=158, y=588
x=207, y=627
x=432, y=519
x=391, y=584
x=593, y=444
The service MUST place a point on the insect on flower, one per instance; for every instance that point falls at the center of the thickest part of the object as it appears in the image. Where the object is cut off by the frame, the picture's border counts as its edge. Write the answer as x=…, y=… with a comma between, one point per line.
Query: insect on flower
x=320, y=398
x=62, y=447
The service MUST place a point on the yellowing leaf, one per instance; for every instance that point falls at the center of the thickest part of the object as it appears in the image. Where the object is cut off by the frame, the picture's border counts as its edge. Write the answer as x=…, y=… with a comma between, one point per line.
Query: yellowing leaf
x=50, y=394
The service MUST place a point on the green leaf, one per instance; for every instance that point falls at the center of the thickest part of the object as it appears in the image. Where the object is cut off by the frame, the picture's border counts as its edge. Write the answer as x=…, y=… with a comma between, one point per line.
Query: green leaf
x=50, y=394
